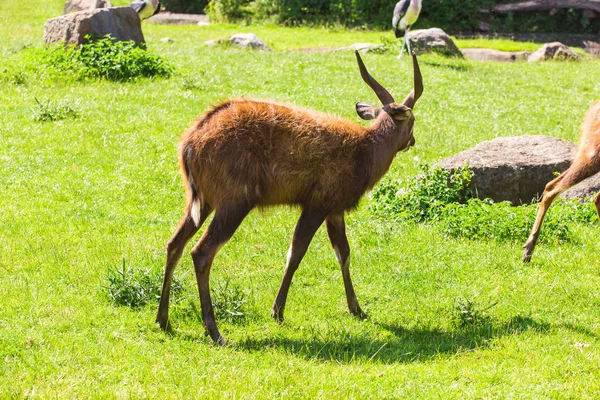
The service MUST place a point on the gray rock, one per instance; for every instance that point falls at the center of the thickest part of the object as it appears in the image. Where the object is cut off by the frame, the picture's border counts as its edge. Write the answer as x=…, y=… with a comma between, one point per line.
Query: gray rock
x=584, y=189
x=494, y=55
x=432, y=40
x=553, y=51
x=168, y=18
x=592, y=48
x=362, y=47
x=72, y=6
x=248, y=40
x=515, y=169
x=122, y=23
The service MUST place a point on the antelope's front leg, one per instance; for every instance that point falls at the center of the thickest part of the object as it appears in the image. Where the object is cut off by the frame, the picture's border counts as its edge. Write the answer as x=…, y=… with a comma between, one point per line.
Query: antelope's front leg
x=336, y=229
x=307, y=225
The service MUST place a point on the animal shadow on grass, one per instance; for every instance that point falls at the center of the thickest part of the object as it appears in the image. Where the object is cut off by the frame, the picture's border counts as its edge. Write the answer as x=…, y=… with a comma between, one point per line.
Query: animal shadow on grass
x=404, y=345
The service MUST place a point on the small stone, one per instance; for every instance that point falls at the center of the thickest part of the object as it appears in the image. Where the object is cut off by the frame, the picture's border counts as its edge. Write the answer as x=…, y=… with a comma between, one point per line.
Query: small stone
x=362, y=47
x=167, y=40
x=246, y=40
x=432, y=40
x=553, y=51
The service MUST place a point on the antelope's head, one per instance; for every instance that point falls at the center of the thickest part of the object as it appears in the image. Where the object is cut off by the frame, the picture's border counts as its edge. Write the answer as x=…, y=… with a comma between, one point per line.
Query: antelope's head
x=400, y=113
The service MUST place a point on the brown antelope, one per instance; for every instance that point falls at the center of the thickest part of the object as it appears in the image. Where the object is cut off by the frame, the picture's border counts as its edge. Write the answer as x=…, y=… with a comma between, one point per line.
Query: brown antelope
x=246, y=153
x=585, y=164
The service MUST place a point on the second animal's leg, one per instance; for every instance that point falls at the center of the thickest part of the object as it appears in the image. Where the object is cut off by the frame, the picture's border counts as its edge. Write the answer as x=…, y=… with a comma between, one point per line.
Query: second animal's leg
x=336, y=229
x=185, y=231
x=577, y=172
x=307, y=225
x=597, y=203
x=220, y=230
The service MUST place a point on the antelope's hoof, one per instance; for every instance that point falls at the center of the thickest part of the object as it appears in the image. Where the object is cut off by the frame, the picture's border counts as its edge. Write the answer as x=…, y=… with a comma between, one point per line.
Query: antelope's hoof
x=164, y=324
x=277, y=315
x=358, y=313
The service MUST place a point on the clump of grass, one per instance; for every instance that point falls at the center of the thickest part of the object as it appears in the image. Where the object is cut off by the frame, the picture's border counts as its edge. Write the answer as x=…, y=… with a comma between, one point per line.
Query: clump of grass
x=486, y=220
x=136, y=287
x=469, y=315
x=48, y=111
x=190, y=83
x=444, y=199
x=229, y=301
x=16, y=78
x=109, y=59
x=229, y=304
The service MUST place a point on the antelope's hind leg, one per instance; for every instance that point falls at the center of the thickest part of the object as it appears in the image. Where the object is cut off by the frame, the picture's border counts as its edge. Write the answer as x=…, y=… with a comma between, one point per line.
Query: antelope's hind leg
x=336, y=229
x=220, y=230
x=184, y=232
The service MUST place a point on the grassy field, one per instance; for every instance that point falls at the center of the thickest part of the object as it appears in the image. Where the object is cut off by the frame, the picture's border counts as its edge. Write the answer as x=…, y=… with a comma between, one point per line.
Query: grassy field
x=82, y=196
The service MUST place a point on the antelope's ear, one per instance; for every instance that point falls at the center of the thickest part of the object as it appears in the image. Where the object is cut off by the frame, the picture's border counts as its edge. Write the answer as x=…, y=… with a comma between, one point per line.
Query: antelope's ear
x=367, y=111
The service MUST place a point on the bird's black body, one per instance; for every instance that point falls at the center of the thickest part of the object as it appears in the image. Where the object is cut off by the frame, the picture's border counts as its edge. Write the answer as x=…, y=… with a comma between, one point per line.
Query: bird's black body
x=399, y=12
x=139, y=5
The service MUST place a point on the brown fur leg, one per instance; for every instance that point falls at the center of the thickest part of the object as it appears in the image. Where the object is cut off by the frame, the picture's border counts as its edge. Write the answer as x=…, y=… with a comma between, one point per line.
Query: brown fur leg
x=576, y=173
x=308, y=224
x=220, y=230
x=597, y=203
x=185, y=231
x=336, y=229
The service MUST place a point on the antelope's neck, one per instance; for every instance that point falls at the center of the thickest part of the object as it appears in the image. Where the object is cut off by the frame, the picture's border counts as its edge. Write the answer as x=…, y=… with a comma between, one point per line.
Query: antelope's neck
x=384, y=145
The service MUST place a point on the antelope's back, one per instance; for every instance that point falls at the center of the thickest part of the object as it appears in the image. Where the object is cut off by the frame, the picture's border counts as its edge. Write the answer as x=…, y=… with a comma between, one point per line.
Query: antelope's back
x=274, y=154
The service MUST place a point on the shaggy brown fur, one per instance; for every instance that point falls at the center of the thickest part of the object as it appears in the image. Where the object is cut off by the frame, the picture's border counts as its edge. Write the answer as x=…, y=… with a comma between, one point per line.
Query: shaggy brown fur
x=267, y=154
x=585, y=164
x=245, y=153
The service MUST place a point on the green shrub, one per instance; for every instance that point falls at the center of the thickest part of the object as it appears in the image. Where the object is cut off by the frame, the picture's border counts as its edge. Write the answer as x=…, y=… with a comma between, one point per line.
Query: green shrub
x=105, y=58
x=454, y=15
x=444, y=199
x=426, y=196
x=185, y=6
x=137, y=287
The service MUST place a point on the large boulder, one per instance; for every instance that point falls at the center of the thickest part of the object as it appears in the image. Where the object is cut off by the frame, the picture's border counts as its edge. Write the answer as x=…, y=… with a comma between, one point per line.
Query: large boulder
x=516, y=169
x=432, y=40
x=248, y=40
x=122, y=23
x=494, y=55
x=72, y=6
x=553, y=51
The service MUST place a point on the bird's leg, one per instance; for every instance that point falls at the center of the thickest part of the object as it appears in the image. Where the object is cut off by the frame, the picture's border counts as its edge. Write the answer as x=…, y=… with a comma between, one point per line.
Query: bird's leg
x=407, y=39
x=402, y=48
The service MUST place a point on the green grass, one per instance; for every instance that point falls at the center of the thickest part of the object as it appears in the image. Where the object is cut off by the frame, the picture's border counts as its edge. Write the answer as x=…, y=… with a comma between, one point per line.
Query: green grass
x=80, y=197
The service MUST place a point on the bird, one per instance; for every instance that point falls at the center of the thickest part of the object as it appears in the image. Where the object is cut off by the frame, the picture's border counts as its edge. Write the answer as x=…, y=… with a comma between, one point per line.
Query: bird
x=406, y=13
x=146, y=8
